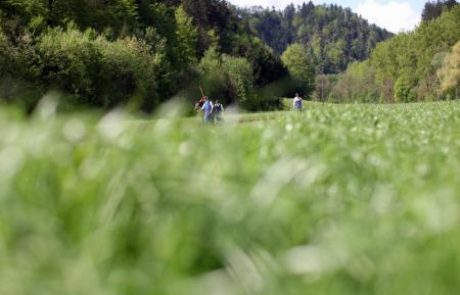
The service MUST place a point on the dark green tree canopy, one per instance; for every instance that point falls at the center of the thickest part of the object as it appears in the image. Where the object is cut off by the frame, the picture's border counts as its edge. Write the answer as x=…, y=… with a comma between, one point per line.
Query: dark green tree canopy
x=434, y=9
x=335, y=35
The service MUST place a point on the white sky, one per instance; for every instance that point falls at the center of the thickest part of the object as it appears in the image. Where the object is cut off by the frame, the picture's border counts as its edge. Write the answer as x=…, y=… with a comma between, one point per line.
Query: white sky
x=394, y=15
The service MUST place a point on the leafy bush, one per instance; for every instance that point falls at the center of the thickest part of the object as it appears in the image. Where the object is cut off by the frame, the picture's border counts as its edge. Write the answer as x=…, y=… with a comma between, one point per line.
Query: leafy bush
x=14, y=88
x=128, y=69
x=227, y=76
x=70, y=61
x=96, y=71
x=356, y=84
x=301, y=68
x=404, y=89
x=449, y=74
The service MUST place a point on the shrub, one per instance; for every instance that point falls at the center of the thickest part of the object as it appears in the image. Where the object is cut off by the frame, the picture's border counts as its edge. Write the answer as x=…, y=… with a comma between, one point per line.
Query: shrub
x=228, y=76
x=449, y=74
x=97, y=71
x=301, y=68
x=404, y=89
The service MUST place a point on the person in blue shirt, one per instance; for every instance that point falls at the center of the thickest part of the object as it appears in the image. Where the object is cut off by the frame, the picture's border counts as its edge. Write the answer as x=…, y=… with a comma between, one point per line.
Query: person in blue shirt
x=207, y=110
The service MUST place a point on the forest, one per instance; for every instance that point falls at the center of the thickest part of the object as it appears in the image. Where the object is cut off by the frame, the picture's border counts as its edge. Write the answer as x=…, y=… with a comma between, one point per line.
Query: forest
x=141, y=53
x=420, y=65
x=334, y=36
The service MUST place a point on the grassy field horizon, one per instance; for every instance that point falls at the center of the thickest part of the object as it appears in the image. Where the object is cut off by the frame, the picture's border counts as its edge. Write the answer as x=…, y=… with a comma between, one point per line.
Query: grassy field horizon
x=337, y=199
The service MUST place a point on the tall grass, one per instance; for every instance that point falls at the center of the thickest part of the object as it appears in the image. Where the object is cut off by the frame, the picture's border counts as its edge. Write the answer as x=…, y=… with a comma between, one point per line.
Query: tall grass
x=339, y=199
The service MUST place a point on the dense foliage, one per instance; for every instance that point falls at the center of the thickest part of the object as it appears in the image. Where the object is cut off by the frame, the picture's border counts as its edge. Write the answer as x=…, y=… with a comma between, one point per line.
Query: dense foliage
x=300, y=67
x=334, y=36
x=434, y=9
x=135, y=53
x=140, y=53
x=341, y=199
x=408, y=67
x=449, y=74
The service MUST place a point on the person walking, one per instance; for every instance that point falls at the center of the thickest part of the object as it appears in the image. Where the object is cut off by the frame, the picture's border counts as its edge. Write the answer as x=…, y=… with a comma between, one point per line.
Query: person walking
x=207, y=109
x=218, y=112
x=199, y=104
x=297, y=103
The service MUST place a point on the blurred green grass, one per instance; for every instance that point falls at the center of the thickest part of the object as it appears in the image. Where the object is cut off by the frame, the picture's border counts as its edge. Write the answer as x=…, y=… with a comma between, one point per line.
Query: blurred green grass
x=338, y=199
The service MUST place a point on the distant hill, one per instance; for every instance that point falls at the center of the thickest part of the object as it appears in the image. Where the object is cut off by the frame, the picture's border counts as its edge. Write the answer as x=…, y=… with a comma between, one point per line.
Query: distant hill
x=336, y=36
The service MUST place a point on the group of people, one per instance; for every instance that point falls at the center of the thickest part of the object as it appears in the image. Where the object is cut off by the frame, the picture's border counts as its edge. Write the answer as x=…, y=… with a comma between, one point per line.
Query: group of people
x=212, y=112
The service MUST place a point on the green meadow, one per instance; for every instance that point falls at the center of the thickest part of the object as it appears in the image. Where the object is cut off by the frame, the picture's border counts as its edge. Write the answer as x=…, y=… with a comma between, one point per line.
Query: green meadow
x=338, y=199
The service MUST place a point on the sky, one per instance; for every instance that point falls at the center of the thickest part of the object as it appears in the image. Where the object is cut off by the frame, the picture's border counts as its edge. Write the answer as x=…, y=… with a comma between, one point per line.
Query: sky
x=394, y=15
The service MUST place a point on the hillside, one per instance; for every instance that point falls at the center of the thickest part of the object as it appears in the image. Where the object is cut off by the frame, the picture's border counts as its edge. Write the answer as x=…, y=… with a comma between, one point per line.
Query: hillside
x=421, y=65
x=334, y=35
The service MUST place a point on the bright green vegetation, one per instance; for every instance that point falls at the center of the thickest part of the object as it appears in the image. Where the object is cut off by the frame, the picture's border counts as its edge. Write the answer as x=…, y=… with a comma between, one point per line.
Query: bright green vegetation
x=339, y=199
x=421, y=65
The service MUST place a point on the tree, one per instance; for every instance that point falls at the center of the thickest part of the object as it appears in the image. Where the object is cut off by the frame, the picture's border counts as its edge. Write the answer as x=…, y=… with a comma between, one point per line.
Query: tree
x=449, y=74
x=96, y=71
x=432, y=10
x=300, y=67
x=187, y=36
x=324, y=84
x=404, y=89
x=356, y=84
x=239, y=79
x=227, y=77
x=5, y=52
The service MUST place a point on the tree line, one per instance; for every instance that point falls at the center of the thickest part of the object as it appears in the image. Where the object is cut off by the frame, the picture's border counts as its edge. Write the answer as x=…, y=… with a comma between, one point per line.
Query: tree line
x=140, y=53
x=421, y=65
x=433, y=9
x=333, y=36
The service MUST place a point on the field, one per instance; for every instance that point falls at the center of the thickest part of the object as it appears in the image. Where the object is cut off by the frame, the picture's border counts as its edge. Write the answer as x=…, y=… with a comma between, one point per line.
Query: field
x=338, y=199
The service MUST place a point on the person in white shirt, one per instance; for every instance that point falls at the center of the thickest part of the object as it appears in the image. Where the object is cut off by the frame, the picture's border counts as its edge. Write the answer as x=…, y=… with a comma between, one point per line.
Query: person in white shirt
x=297, y=104
x=218, y=111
